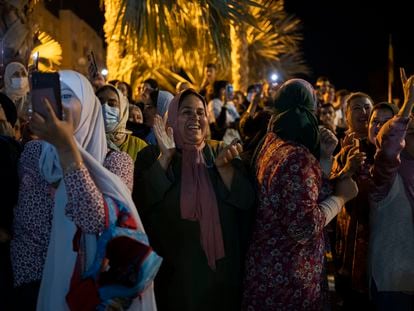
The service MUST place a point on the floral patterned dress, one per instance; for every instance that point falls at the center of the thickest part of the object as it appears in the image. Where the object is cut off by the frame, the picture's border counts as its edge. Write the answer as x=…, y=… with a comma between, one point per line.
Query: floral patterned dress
x=34, y=212
x=284, y=268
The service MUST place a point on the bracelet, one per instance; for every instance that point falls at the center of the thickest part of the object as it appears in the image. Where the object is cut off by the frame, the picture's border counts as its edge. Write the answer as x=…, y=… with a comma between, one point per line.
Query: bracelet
x=73, y=167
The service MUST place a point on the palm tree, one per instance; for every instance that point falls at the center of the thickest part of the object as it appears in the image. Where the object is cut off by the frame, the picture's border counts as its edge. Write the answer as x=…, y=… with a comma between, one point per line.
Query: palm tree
x=274, y=46
x=172, y=40
x=160, y=38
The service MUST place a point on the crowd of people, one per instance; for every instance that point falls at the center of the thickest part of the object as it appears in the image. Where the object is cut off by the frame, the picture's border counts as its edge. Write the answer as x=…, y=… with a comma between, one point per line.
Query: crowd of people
x=206, y=199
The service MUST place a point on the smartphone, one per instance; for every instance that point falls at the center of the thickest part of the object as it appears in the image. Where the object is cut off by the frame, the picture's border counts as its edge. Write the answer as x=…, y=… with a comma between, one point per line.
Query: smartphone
x=92, y=67
x=36, y=61
x=229, y=91
x=46, y=85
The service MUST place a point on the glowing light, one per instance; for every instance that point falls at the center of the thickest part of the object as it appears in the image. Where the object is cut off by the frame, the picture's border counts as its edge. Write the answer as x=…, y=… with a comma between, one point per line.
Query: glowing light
x=274, y=77
x=104, y=72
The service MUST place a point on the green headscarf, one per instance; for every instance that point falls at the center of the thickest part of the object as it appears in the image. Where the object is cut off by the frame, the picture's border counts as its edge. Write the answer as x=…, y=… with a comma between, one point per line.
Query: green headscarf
x=295, y=119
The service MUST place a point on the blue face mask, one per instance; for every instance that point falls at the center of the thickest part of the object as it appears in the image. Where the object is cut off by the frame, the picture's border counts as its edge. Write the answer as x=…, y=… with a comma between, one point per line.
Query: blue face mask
x=111, y=117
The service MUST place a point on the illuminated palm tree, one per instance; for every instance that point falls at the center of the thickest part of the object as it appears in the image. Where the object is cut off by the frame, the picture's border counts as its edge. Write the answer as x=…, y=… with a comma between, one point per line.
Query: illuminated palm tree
x=162, y=38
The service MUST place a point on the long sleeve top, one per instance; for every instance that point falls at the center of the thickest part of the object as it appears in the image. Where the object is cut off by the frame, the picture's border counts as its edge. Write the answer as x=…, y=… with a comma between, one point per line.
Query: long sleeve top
x=185, y=281
x=391, y=211
x=285, y=257
x=33, y=213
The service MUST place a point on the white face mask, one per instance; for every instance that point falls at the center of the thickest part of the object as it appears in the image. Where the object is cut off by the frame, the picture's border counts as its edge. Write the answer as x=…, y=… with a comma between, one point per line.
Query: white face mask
x=111, y=117
x=19, y=83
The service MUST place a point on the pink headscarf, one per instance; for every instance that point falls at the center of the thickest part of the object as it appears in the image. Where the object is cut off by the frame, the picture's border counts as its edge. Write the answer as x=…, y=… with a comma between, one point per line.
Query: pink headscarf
x=198, y=201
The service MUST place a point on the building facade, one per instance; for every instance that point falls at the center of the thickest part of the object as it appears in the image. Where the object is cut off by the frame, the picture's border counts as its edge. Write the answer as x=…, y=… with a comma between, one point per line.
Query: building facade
x=74, y=35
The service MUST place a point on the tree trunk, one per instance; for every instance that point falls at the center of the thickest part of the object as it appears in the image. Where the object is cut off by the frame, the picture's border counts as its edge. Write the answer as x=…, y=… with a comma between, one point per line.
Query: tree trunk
x=239, y=57
x=118, y=61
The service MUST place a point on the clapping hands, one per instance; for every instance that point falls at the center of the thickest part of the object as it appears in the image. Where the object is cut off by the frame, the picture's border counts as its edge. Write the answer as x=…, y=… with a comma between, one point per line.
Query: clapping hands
x=165, y=138
x=230, y=152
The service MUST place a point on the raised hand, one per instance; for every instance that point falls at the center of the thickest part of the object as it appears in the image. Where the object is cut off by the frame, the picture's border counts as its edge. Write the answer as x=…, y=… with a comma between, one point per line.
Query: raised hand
x=49, y=128
x=348, y=140
x=223, y=162
x=328, y=142
x=165, y=139
x=58, y=133
x=403, y=76
x=226, y=155
x=408, y=88
x=355, y=159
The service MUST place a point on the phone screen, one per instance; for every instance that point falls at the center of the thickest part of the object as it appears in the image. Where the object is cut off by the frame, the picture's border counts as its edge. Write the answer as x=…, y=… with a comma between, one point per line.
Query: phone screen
x=229, y=91
x=92, y=67
x=46, y=85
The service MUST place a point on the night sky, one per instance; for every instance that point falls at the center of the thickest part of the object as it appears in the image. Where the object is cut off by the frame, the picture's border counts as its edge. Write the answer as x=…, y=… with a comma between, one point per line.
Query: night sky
x=344, y=40
x=348, y=42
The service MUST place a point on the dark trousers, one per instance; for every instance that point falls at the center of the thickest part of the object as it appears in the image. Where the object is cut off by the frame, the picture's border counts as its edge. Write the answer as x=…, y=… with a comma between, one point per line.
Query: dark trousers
x=6, y=278
x=394, y=301
x=25, y=297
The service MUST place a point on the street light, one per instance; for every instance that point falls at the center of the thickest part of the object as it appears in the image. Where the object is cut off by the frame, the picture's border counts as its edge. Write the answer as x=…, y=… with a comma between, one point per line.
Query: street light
x=274, y=77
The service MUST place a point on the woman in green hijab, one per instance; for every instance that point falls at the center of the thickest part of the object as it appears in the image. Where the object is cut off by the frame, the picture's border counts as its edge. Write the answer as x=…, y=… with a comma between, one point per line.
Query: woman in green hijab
x=285, y=257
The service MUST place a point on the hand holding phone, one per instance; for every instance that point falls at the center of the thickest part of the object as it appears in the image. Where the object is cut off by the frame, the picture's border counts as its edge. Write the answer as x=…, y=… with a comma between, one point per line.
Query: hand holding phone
x=229, y=91
x=46, y=85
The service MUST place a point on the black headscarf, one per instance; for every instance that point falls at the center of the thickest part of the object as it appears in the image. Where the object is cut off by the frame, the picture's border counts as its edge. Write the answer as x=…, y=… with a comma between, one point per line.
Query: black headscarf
x=295, y=118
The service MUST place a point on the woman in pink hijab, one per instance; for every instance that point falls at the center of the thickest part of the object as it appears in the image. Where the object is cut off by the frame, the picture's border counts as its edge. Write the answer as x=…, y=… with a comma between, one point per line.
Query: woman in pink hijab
x=194, y=196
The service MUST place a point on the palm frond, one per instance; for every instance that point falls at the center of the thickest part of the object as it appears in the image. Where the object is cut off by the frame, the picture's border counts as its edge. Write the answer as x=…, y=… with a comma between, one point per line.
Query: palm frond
x=274, y=43
x=292, y=65
x=166, y=39
x=50, y=53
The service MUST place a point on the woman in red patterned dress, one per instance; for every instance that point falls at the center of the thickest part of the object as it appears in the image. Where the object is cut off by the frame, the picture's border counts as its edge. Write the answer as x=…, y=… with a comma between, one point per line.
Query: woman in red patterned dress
x=285, y=258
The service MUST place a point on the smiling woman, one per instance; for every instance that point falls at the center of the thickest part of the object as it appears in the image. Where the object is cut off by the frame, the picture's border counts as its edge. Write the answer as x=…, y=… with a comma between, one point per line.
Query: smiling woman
x=193, y=194
x=192, y=120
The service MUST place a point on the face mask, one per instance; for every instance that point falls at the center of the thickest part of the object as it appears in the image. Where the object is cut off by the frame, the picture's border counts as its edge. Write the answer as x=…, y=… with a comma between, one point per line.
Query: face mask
x=19, y=83
x=111, y=117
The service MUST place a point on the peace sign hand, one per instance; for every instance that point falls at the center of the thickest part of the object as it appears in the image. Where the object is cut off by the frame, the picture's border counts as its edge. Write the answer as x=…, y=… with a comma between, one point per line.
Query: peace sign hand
x=408, y=87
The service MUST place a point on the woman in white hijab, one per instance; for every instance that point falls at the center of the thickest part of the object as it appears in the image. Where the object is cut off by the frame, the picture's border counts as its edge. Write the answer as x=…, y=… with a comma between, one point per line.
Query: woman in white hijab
x=16, y=86
x=65, y=180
